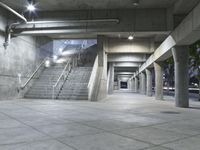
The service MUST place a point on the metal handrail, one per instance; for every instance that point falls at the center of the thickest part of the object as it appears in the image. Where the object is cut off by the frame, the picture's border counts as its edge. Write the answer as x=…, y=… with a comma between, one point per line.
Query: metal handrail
x=34, y=73
x=69, y=67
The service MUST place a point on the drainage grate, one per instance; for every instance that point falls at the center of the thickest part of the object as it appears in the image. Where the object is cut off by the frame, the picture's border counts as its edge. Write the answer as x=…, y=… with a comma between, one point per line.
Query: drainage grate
x=170, y=112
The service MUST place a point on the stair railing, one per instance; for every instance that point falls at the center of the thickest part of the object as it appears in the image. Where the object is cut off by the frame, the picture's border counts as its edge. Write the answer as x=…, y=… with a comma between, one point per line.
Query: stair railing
x=34, y=73
x=65, y=73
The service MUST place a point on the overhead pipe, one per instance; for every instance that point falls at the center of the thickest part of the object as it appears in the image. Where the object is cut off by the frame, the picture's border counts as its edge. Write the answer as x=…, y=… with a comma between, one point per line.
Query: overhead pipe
x=8, y=30
x=57, y=21
x=66, y=21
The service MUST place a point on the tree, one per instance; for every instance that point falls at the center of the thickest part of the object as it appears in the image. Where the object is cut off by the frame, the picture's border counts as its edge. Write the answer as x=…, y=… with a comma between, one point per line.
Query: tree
x=169, y=72
x=194, y=59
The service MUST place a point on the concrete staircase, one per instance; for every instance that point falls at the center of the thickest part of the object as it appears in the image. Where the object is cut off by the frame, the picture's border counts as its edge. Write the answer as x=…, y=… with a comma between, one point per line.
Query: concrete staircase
x=75, y=87
x=43, y=86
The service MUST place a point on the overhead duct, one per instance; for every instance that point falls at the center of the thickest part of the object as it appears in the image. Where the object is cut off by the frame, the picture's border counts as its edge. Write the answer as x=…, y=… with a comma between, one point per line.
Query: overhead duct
x=45, y=25
x=12, y=26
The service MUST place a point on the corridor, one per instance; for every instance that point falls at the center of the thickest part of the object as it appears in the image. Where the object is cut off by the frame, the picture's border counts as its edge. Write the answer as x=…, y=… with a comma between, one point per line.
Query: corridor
x=120, y=122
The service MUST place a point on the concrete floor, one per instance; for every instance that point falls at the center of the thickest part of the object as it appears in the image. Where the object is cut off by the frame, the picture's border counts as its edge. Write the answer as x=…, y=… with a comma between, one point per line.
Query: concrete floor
x=121, y=122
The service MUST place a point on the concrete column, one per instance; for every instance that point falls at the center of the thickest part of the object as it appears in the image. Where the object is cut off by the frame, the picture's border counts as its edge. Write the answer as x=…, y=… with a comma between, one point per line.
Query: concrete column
x=136, y=84
x=102, y=67
x=111, y=78
x=149, y=82
x=143, y=83
x=158, y=67
x=180, y=55
x=118, y=83
x=140, y=83
x=129, y=84
x=133, y=84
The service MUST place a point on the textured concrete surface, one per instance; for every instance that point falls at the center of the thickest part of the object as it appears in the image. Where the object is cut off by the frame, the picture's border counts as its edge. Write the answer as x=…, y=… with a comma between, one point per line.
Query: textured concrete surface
x=123, y=121
x=186, y=33
x=21, y=57
x=181, y=59
x=158, y=68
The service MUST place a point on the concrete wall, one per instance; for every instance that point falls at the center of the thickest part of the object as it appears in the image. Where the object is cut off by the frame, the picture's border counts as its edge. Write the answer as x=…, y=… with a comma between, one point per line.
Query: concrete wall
x=127, y=57
x=21, y=57
x=126, y=46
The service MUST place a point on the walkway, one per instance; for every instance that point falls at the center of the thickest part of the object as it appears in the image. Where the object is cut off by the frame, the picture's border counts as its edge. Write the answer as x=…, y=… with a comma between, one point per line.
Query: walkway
x=121, y=122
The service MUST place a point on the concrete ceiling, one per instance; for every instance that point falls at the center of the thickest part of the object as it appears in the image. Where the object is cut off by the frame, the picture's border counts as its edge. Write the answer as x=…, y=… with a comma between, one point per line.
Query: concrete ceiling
x=157, y=36
x=125, y=69
x=52, y=5
x=179, y=6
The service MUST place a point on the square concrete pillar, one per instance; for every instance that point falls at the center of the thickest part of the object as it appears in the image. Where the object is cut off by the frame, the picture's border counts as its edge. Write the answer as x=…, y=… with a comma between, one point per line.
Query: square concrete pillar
x=136, y=84
x=133, y=84
x=143, y=83
x=102, y=67
x=158, y=67
x=180, y=55
x=149, y=82
x=140, y=83
x=111, y=78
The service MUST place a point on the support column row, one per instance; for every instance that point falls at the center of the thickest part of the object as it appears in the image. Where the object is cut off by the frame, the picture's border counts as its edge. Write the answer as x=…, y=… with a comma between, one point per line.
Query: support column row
x=180, y=55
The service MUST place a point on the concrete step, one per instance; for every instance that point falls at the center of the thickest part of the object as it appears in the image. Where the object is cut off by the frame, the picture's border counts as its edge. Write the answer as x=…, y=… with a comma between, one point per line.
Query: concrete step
x=72, y=98
x=75, y=88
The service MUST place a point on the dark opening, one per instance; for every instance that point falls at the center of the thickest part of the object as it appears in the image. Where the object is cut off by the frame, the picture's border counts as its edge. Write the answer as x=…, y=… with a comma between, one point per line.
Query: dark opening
x=124, y=85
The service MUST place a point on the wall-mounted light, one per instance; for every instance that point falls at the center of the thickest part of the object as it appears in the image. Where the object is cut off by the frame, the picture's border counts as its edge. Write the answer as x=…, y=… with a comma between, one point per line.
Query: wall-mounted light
x=60, y=50
x=55, y=57
x=47, y=63
x=130, y=37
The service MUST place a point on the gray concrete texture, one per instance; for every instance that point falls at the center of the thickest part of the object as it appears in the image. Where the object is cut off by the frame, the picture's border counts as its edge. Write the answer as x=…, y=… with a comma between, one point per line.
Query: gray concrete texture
x=116, y=45
x=158, y=68
x=185, y=34
x=21, y=57
x=142, y=20
x=181, y=58
x=149, y=82
x=123, y=121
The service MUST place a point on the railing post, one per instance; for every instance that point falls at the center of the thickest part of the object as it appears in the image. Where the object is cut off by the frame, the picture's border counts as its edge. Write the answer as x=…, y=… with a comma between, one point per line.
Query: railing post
x=63, y=77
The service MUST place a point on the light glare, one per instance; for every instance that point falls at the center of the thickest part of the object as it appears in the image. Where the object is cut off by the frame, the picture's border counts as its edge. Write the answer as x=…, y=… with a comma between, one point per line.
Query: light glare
x=130, y=37
x=31, y=7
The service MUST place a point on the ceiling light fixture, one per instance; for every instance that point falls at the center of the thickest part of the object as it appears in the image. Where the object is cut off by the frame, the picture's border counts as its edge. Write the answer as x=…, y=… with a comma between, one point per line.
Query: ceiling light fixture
x=31, y=7
x=130, y=37
x=135, y=2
